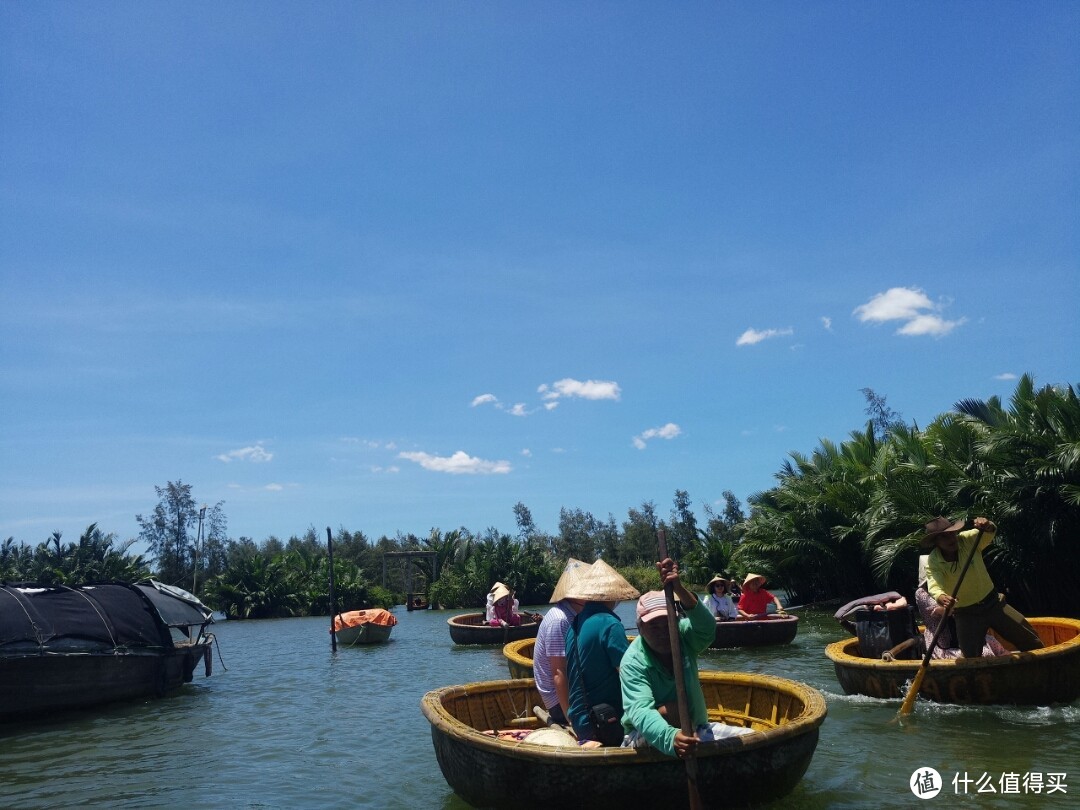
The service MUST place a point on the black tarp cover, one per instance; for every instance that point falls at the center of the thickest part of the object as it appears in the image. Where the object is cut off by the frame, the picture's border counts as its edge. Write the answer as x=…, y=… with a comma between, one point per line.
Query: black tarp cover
x=84, y=619
x=177, y=607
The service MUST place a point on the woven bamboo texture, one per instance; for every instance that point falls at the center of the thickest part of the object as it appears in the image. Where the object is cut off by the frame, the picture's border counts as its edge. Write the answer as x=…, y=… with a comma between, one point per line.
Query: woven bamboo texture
x=1036, y=678
x=756, y=767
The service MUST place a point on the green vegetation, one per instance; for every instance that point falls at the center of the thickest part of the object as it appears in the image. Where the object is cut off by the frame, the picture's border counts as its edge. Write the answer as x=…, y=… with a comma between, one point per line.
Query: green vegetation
x=841, y=522
x=93, y=559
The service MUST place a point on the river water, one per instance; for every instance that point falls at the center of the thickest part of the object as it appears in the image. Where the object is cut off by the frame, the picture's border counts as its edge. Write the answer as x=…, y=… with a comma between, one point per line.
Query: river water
x=291, y=725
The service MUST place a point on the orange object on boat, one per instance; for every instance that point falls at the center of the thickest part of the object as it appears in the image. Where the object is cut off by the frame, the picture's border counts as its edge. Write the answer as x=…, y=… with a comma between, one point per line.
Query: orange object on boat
x=355, y=617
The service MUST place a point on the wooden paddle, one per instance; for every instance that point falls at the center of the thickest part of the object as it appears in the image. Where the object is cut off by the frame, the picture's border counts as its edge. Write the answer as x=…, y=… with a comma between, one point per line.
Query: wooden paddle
x=916, y=682
x=686, y=722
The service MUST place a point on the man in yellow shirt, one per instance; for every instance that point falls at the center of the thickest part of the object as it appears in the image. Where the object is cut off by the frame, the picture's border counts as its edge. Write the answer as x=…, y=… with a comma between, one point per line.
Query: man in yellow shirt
x=977, y=606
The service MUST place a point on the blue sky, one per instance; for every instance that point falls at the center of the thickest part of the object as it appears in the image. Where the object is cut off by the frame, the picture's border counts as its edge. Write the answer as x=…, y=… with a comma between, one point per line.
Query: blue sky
x=395, y=266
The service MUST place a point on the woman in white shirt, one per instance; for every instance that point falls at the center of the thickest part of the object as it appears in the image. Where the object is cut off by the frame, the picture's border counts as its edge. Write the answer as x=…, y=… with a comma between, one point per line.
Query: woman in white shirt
x=719, y=600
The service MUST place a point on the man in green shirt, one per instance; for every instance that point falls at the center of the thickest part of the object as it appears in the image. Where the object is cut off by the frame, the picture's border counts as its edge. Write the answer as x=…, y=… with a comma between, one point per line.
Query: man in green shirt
x=977, y=606
x=650, y=710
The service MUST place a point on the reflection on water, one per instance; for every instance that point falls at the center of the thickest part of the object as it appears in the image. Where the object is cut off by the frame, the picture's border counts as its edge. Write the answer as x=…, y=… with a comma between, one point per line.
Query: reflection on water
x=291, y=725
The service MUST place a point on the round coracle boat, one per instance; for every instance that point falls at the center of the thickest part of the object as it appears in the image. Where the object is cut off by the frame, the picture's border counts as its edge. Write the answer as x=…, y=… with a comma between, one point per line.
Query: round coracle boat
x=755, y=632
x=519, y=657
x=1036, y=678
x=470, y=628
x=735, y=771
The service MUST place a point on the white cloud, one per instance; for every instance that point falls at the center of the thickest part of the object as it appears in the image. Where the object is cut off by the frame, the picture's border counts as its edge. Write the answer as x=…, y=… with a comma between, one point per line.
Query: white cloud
x=393, y=468
x=752, y=336
x=587, y=389
x=483, y=399
x=895, y=304
x=256, y=454
x=668, y=431
x=518, y=410
x=526, y=452
x=929, y=325
x=1008, y=375
x=273, y=487
x=550, y=406
x=826, y=321
x=460, y=463
x=911, y=305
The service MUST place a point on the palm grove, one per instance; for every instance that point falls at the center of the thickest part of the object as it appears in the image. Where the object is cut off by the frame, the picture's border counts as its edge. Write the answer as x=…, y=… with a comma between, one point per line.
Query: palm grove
x=840, y=522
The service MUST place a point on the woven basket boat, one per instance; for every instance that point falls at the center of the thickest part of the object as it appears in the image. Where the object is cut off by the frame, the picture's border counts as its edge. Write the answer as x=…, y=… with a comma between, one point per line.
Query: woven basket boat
x=732, y=772
x=755, y=632
x=470, y=628
x=1036, y=678
x=519, y=657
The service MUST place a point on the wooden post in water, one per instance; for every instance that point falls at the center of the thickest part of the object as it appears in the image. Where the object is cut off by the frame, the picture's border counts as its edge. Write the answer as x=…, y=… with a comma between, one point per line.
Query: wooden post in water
x=333, y=600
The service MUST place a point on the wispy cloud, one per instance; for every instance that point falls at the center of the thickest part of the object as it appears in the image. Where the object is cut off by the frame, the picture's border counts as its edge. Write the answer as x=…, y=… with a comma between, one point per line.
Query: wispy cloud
x=517, y=409
x=668, y=431
x=460, y=463
x=581, y=389
x=1008, y=375
x=257, y=454
x=752, y=336
x=908, y=304
x=826, y=321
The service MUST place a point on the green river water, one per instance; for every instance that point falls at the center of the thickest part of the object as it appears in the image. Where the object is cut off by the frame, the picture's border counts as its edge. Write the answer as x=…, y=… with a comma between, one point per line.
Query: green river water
x=291, y=725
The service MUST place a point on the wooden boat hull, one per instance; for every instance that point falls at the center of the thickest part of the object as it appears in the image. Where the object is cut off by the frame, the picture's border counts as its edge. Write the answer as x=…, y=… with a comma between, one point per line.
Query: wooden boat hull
x=755, y=633
x=470, y=628
x=72, y=647
x=363, y=634
x=35, y=685
x=1036, y=678
x=733, y=772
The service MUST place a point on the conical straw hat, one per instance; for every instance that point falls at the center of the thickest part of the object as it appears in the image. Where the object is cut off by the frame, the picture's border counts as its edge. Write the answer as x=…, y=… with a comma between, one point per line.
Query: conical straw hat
x=602, y=584
x=574, y=571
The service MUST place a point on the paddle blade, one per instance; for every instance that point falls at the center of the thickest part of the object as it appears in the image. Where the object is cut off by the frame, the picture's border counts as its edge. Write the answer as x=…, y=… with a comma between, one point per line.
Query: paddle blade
x=913, y=692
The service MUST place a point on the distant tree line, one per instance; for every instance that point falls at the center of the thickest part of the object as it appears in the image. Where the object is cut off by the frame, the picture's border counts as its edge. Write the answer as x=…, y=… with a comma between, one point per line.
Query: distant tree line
x=841, y=522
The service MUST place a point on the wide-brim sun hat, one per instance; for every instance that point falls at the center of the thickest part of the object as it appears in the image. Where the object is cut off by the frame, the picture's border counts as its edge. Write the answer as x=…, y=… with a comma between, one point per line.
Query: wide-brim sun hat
x=937, y=527
x=572, y=573
x=500, y=592
x=751, y=577
x=602, y=583
x=717, y=580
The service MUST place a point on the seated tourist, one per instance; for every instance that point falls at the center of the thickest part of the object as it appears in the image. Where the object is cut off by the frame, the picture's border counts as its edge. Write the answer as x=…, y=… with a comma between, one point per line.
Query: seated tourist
x=504, y=608
x=594, y=646
x=754, y=602
x=719, y=601
x=549, y=652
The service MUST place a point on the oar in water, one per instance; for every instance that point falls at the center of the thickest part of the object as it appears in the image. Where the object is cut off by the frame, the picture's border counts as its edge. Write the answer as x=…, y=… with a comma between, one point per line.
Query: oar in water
x=916, y=682
x=681, y=700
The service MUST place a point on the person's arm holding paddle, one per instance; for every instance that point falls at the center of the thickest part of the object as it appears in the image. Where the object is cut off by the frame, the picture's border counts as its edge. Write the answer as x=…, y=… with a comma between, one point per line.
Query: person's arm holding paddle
x=685, y=744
